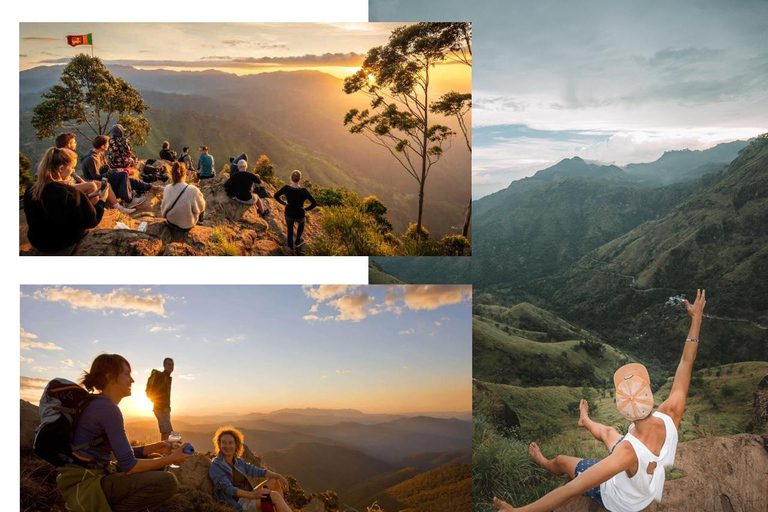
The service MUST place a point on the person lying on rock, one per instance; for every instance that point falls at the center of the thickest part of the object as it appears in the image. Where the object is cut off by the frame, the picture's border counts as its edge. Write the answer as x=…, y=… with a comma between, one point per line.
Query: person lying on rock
x=166, y=153
x=58, y=214
x=183, y=204
x=132, y=484
x=240, y=187
x=229, y=472
x=92, y=189
x=205, y=164
x=632, y=475
x=296, y=196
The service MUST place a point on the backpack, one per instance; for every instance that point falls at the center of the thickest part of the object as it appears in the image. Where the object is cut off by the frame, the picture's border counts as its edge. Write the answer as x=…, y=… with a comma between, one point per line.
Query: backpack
x=150, y=391
x=61, y=404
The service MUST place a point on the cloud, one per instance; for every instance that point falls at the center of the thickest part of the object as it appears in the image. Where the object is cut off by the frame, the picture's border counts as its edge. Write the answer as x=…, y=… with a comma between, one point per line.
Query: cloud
x=118, y=299
x=161, y=328
x=324, y=376
x=406, y=331
x=235, y=339
x=188, y=376
x=315, y=318
x=26, y=359
x=57, y=39
x=32, y=384
x=420, y=297
x=352, y=307
x=438, y=324
x=342, y=371
x=26, y=342
x=325, y=291
x=67, y=362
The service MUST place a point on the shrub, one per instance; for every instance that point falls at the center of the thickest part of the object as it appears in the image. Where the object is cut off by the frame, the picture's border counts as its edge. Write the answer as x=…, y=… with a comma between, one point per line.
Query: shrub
x=456, y=245
x=348, y=231
x=411, y=232
x=373, y=206
x=24, y=177
x=265, y=170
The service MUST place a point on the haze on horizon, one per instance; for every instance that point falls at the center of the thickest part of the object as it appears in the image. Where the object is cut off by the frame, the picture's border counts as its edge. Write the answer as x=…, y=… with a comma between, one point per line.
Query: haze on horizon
x=614, y=82
x=245, y=349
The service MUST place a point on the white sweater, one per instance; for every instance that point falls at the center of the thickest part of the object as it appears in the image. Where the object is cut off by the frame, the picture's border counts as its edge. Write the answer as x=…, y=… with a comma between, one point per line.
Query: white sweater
x=187, y=209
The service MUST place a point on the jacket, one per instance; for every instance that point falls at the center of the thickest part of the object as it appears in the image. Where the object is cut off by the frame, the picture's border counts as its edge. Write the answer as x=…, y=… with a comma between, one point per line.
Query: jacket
x=224, y=490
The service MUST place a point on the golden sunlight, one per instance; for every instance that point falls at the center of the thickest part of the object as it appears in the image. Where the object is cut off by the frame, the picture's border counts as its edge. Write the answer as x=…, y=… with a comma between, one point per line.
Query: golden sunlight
x=137, y=405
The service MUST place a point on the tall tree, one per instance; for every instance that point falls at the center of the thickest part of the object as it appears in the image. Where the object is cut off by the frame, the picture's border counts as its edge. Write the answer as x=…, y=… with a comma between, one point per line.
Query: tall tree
x=457, y=42
x=89, y=100
x=396, y=77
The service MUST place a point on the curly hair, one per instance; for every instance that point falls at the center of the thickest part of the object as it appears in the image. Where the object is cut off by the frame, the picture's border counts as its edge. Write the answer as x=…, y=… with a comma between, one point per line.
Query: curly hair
x=239, y=439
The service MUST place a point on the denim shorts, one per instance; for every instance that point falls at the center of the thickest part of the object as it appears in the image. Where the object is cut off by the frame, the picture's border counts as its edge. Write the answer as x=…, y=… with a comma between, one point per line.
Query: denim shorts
x=585, y=464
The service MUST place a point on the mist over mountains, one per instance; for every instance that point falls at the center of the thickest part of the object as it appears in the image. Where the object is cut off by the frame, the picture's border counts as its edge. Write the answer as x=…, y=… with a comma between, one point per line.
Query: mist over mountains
x=605, y=247
x=296, y=118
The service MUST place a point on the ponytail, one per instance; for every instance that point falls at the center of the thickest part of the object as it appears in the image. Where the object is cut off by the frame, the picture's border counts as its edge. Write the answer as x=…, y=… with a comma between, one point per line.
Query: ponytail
x=48, y=169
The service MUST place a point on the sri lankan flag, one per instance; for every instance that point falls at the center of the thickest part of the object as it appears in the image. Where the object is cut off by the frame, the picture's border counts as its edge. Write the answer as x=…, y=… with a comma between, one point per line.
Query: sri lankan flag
x=78, y=40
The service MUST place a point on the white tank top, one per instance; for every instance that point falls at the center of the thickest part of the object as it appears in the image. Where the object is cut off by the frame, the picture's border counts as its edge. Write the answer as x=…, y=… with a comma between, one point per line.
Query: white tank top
x=624, y=494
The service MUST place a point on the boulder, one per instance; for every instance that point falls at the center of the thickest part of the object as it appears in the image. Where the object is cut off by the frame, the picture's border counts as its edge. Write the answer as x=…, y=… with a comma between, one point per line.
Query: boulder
x=314, y=505
x=484, y=400
x=720, y=474
x=30, y=419
x=194, y=473
x=759, y=407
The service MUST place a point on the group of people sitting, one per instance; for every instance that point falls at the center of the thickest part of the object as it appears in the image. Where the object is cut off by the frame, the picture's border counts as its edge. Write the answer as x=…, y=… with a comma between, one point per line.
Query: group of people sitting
x=138, y=481
x=60, y=206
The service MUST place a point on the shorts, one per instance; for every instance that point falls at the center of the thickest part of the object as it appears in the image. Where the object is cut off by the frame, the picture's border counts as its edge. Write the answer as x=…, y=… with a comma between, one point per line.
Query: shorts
x=164, y=421
x=585, y=464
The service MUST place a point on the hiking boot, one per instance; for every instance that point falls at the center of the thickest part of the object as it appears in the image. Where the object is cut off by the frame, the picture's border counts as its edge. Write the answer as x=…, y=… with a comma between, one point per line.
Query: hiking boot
x=137, y=200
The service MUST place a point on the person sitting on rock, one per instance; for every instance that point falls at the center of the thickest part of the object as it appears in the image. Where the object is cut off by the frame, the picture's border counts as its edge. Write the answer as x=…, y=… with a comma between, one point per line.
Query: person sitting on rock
x=95, y=169
x=133, y=484
x=186, y=159
x=166, y=153
x=205, y=164
x=58, y=215
x=632, y=476
x=229, y=472
x=240, y=185
x=296, y=196
x=183, y=204
x=120, y=154
x=234, y=162
x=92, y=189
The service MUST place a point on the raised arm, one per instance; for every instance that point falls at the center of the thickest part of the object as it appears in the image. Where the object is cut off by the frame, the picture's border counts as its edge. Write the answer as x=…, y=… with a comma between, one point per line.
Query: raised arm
x=622, y=459
x=674, y=405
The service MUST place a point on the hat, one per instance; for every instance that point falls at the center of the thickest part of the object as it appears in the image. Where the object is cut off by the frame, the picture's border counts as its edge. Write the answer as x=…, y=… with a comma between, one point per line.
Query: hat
x=634, y=398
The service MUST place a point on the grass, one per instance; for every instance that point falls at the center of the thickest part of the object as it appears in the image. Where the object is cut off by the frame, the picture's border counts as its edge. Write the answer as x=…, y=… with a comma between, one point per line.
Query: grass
x=220, y=244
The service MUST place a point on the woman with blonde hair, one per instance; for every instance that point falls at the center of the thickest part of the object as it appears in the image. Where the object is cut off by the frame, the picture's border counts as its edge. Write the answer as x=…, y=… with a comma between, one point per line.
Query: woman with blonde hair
x=296, y=196
x=183, y=204
x=229, y=472
x=59, y=215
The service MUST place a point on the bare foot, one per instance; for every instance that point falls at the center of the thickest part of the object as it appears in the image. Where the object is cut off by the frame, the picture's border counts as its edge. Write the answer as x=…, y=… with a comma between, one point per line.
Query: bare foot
x=503, y=505
x=583, y=413
x=536, y=454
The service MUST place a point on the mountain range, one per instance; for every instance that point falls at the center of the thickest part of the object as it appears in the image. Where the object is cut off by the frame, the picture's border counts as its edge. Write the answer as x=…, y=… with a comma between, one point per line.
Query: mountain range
x=295, y=118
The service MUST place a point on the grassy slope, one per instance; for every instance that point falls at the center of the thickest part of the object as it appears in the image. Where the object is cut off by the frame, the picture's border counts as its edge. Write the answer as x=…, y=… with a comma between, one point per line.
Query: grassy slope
x=448, y=487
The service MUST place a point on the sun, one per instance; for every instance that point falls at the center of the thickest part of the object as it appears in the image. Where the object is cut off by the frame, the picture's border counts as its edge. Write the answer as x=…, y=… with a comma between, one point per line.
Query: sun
x=137, y=405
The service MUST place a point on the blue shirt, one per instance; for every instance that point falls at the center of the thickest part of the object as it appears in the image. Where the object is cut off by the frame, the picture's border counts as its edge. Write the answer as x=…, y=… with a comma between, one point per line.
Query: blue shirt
x=224, y=489
x=102, y=418
x=205, y=165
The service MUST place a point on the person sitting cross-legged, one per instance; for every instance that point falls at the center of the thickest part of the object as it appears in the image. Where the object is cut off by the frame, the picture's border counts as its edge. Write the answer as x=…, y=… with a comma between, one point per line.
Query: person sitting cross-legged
x=229, y=472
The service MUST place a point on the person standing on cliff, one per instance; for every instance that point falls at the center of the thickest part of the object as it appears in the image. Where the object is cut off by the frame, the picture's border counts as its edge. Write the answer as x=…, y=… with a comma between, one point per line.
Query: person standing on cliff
x=159, y=391
x=632, y=475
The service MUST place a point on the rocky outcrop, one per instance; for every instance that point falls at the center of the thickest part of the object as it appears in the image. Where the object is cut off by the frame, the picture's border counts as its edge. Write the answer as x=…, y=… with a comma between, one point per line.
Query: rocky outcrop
x=30, y=419
x=719, y=474
x=759, y=408
x=485, y=401
x=228, y=228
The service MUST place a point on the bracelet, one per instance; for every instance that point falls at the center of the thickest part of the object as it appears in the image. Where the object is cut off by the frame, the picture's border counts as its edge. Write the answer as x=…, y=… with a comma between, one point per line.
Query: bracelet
x=692, y=339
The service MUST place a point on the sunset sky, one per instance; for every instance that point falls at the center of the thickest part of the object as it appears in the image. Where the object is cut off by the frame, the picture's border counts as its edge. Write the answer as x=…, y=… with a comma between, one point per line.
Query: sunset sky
x=379, y=349
x=613, y=82
x=241, y=48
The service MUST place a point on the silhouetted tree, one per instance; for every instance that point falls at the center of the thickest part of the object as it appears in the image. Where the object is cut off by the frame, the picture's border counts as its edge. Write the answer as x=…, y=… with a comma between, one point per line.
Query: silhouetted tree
x=396, y=77
x=89, y=98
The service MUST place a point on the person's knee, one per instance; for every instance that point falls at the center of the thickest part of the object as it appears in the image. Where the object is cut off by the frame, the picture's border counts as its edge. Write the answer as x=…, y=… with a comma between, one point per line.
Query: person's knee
x=560, y=461
x=167, y=484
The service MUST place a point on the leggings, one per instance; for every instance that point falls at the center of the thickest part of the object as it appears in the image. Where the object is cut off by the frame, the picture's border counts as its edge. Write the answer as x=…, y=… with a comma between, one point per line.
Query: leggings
x=299, y=230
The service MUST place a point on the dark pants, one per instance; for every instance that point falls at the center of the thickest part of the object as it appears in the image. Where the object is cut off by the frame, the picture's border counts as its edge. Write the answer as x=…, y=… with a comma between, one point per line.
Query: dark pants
x=299, y=230
x=124, y=186
x=140, y=491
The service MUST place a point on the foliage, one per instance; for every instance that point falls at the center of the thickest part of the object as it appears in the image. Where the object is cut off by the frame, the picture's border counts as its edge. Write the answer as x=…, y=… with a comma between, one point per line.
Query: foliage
x=221, y=244
x=413, y=229
x=348, y=231
x=266, y=171
x=456, y=245
x=89, y=98
x=24, y=177
x=396, y=78
x=378, y=210
x=458, y=105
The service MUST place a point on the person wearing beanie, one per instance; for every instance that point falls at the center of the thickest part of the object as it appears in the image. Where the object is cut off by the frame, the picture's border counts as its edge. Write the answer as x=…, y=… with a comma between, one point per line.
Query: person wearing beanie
x=632, y=475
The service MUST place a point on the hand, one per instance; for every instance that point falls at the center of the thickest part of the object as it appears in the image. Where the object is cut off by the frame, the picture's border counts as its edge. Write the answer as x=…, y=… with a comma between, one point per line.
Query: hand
x=697, y=309
x=178, y=456
x=263, y=492
x=104, y=193
x=162, y=447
